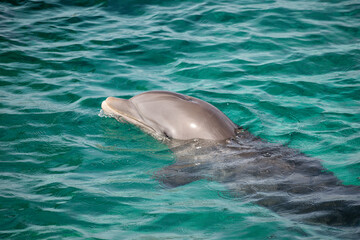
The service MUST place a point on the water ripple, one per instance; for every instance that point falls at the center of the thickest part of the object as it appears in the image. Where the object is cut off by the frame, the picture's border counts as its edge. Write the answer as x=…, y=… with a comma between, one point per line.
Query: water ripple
x=286, y=71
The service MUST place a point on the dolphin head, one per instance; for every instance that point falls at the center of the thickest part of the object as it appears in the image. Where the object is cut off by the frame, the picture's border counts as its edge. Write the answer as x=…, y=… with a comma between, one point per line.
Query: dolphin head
x=172, y=115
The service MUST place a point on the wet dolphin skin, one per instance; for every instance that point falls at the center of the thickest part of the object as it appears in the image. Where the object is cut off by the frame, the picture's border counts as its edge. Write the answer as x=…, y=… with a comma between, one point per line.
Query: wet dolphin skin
x=208, y=145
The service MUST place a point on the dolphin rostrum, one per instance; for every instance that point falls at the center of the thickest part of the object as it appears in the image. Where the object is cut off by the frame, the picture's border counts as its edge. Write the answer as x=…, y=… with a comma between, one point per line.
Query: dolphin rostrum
x=208, y=145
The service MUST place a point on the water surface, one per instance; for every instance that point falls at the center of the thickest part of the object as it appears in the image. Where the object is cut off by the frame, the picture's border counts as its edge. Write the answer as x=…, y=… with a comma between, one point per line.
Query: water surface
x=288, y=71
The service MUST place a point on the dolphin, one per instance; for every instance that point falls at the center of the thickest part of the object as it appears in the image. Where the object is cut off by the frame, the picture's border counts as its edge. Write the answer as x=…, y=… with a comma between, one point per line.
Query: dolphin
x=208, y=145
x=172, y=115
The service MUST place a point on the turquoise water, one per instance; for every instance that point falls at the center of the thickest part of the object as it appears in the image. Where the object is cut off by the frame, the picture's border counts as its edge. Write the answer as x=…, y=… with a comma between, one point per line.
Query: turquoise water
x=288, y=71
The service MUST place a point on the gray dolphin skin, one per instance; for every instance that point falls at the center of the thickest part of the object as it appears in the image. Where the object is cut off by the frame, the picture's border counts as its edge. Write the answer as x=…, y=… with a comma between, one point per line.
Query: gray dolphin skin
x=208, y=145
x=173, y=115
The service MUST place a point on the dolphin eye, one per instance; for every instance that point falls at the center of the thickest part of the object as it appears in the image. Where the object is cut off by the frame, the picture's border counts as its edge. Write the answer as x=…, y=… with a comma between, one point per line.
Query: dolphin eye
x=166, y=135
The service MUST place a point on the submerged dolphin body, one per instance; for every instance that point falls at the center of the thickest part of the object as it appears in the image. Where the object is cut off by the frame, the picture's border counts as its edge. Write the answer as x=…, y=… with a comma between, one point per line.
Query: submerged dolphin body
x=208, y=145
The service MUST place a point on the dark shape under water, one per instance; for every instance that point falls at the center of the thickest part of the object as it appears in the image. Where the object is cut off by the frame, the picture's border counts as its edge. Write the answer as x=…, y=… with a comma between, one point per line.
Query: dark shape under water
x=275, y=176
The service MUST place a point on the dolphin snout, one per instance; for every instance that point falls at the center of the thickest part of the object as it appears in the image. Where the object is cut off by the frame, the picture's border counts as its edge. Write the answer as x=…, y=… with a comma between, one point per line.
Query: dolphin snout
x=113, y=104
x=110, y=101
x=118, y=107
x=105, y=106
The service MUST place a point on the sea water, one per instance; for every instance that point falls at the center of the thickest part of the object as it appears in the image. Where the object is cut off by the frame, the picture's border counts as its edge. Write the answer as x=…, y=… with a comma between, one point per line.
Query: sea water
x=287, y=71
